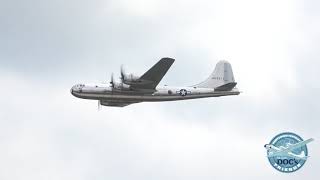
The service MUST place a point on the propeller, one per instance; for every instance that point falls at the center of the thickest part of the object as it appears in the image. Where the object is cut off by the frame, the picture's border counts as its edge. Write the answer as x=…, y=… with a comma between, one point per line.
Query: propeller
x=123, y=74
x=112, y=81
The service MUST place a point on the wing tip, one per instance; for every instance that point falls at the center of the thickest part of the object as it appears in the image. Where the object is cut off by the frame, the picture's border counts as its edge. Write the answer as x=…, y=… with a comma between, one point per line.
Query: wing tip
x=168, y=59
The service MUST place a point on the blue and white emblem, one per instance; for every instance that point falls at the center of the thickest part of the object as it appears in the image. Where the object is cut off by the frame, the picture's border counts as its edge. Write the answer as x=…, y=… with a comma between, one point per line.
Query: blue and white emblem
x=183, y=92
x=287, y=152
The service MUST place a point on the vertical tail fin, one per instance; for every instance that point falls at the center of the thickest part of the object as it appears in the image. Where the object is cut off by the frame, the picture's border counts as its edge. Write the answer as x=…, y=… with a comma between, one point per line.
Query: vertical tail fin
x=221, y=79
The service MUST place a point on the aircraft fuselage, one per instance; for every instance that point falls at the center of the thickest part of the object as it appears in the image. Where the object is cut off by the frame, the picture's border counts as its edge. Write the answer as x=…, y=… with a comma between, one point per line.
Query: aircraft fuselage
x=165, y=93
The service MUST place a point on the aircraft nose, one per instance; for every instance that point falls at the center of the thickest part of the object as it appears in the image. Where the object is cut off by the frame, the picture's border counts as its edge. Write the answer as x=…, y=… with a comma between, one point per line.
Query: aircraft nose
x=76, y=88
x=267, y=146
x=72, y=90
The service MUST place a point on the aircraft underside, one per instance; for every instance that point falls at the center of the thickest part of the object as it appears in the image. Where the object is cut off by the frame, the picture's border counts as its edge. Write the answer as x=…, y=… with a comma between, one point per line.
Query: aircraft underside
x=150, y=97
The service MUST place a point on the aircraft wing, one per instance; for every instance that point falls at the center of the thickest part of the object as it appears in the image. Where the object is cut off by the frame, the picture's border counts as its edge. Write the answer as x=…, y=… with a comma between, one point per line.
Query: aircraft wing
x=277, y=154
x=154, y=74
x=297, y=145
x=302, y=156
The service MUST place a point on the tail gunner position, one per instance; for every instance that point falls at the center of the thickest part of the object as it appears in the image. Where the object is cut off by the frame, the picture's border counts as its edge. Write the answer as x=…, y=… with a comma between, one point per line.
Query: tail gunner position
x=135, y=89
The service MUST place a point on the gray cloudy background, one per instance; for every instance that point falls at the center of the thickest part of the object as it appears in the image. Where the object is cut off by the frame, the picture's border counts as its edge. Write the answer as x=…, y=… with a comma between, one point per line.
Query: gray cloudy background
x=48, y=46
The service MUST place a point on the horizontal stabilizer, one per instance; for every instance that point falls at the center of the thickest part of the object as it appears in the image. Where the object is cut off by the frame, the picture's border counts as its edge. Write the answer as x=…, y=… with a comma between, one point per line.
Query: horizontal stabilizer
x=226, y=87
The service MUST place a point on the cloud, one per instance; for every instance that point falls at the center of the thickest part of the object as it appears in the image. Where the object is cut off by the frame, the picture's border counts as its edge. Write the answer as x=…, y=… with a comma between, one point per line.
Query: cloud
x=46, y=47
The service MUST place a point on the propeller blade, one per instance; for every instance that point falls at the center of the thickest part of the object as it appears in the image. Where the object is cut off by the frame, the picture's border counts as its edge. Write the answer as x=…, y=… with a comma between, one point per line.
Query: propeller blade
x=112, y=81
x=123, y=74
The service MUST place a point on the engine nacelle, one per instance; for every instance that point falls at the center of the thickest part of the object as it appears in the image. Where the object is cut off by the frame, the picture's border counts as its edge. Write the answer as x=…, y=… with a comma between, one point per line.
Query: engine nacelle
x=120, y=86
x=131, y=79
x=134, y=80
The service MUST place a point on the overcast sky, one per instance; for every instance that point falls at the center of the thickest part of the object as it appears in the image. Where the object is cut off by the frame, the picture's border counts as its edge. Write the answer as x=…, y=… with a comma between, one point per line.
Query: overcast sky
x=48, y=46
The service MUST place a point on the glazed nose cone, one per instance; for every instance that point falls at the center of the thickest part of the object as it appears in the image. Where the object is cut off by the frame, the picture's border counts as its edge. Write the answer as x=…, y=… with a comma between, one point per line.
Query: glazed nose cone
x=75, y=88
